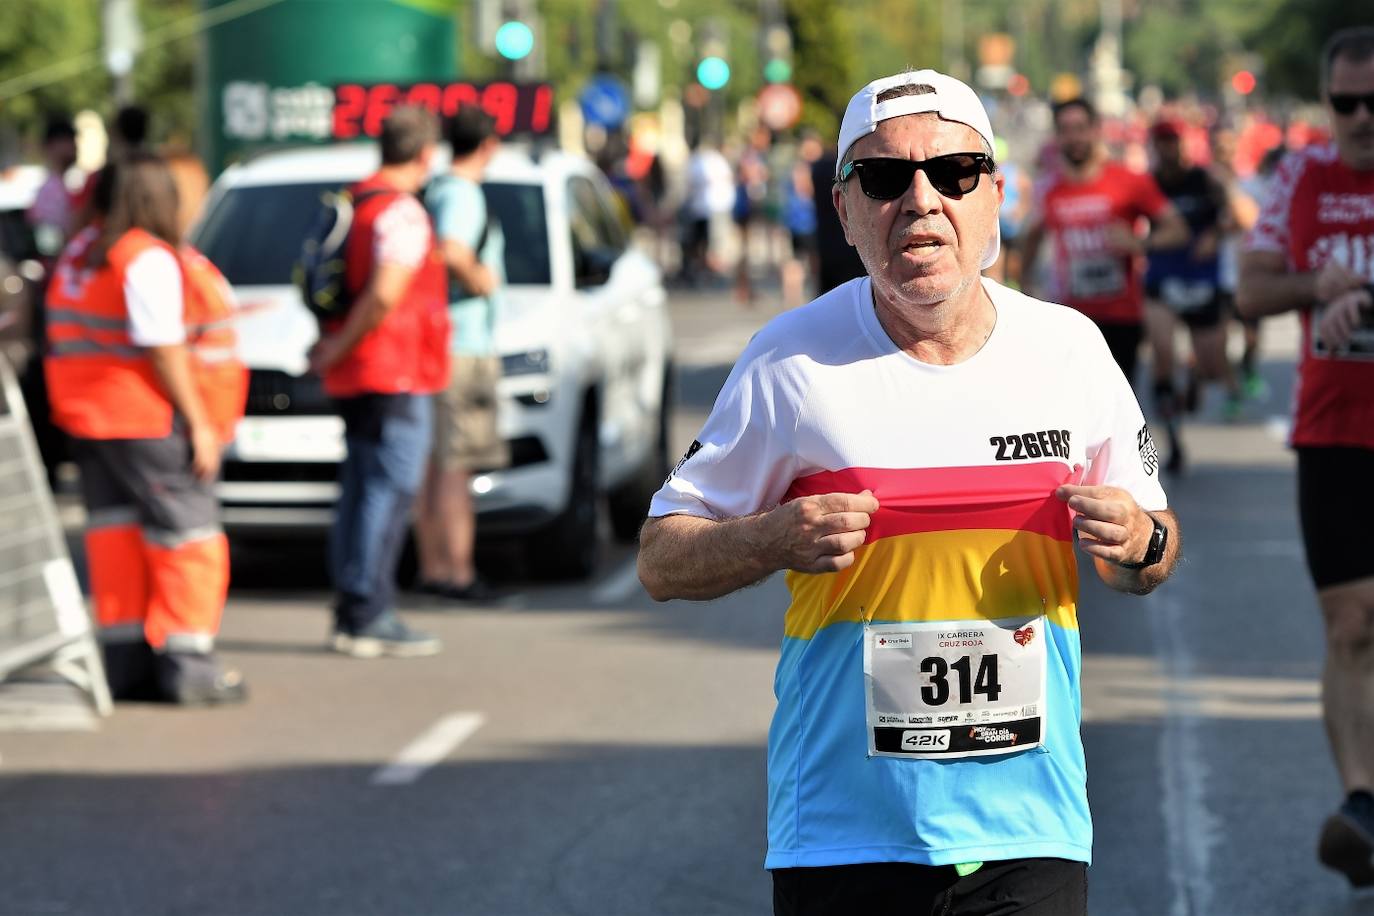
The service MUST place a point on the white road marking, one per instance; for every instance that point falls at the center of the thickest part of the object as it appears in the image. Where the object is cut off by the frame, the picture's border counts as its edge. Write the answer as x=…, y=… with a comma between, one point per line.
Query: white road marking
x=1190, y=828
x=618, y=586
x=428, y=749
x=1278, y=427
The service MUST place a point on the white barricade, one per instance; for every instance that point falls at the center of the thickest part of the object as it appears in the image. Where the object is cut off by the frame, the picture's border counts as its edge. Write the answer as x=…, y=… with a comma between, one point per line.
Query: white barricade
x=43, y=616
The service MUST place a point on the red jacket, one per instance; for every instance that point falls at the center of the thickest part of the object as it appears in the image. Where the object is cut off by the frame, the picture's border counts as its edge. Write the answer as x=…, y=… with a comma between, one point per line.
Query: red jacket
x=408, y=351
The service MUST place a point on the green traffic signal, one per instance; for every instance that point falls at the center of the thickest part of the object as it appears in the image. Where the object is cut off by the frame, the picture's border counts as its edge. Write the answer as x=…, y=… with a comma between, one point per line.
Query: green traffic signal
x=777, y=70
x=713, y=72
x=514, y=40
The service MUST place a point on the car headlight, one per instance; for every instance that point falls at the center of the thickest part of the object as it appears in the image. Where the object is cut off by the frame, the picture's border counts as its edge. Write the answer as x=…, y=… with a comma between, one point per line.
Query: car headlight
x=531, y=362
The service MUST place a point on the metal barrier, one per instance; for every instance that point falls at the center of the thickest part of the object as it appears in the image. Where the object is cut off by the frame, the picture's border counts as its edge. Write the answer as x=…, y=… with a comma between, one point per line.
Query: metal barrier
x=43, y=616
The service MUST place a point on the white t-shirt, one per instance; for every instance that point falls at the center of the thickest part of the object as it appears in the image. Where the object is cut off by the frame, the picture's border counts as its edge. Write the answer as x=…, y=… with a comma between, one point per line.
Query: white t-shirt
x=824, y=388
x=153, y=294
x=710, y=184
x=964, y=461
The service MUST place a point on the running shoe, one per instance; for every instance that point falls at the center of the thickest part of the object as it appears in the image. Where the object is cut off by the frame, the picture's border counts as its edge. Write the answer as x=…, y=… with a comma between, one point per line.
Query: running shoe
x=387, y=635
x=1256, y=388
x=1234, y=407
x=1347, y=840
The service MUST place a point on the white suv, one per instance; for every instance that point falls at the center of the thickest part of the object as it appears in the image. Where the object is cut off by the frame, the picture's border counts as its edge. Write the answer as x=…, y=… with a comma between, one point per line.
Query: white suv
x=583, y=335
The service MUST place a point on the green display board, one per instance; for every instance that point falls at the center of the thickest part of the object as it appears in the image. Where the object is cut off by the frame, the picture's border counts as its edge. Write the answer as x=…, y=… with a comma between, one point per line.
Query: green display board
x=268, y=77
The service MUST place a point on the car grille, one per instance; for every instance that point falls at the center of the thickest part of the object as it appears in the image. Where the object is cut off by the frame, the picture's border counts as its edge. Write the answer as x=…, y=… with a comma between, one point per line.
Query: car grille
x=277, y=394
x=280, y=471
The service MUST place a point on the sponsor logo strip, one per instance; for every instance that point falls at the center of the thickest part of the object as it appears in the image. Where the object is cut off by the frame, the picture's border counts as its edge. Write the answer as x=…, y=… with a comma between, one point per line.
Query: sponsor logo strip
x=957, y=738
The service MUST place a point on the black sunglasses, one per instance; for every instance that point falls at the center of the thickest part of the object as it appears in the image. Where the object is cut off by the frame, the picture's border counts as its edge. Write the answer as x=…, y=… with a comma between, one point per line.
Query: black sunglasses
x=953, y=175
x=1344, y=104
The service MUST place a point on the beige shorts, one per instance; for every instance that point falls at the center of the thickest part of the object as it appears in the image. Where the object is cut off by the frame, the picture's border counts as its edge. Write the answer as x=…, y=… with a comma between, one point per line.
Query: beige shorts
x=465, y=434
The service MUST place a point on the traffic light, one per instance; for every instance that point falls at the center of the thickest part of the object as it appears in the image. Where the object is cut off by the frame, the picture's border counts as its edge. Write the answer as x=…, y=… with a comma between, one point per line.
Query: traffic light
x=713, y=72
x=514, y=40
x=777, y=70
x=1243, y=81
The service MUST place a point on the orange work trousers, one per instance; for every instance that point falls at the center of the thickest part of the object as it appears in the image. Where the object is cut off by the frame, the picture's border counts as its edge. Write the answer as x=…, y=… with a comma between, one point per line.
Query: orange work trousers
x=157, y=557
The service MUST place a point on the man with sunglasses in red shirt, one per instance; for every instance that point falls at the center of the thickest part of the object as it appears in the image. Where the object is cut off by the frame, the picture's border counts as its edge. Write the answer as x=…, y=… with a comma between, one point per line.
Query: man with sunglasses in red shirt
x=920, y=450
x=1313, y=250
x=1092, y=210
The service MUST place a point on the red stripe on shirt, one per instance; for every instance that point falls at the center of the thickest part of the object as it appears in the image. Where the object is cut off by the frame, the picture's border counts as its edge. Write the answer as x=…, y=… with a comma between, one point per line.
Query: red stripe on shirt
x=1016, y=497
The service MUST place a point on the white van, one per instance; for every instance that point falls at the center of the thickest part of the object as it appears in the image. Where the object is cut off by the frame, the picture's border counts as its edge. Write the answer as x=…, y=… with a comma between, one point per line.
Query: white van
x=584, y=340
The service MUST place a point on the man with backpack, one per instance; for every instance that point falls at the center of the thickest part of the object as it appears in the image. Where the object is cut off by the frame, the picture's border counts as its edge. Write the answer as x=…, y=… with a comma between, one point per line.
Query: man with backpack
x=382, y=357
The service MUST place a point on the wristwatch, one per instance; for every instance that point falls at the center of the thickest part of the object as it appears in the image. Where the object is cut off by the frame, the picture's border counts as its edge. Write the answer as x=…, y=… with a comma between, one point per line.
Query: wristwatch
x=1155, y=552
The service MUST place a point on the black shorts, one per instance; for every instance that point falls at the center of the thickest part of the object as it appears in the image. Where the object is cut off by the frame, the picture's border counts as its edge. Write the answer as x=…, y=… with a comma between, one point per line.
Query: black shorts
x=1335, y=498
x=1124, y=342
x=1034, y=887
x=1203, y=316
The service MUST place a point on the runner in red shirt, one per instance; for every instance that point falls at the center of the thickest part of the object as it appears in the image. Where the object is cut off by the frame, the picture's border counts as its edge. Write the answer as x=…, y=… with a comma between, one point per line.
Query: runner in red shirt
x=1093, y=208
x=1313, y=250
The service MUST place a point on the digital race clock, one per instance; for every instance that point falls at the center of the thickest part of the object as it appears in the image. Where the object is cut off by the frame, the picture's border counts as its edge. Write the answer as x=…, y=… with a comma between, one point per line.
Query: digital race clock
x=518, y=108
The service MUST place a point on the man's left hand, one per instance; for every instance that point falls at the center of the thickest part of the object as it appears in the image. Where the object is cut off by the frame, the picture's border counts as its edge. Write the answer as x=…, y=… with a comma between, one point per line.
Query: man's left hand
x=1109, y=522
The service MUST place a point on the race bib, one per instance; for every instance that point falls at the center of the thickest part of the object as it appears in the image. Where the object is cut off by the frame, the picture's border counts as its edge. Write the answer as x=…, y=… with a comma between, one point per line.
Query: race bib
x=953, y=689
x=1187, y=295
x=1096, y=277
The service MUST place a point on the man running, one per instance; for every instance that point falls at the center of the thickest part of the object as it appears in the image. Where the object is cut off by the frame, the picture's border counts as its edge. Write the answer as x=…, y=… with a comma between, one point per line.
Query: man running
x=1313, y=250
x=917, y=449
x=1183, y=284
x=1093, y=208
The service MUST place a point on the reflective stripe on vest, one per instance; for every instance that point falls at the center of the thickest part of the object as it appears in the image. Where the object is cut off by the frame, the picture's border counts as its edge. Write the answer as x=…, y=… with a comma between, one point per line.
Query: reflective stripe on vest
x=221, y=378
x=101, y=385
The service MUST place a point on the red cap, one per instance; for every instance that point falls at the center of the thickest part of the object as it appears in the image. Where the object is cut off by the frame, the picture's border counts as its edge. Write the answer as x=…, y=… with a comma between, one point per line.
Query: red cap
x=1165, y=130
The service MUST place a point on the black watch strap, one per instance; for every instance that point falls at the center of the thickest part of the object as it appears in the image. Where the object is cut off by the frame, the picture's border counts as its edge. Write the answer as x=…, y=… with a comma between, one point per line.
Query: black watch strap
x=1155, y=552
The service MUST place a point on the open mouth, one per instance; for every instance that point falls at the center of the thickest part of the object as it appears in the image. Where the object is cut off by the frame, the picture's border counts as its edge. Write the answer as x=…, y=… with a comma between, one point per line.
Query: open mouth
x=922, y=245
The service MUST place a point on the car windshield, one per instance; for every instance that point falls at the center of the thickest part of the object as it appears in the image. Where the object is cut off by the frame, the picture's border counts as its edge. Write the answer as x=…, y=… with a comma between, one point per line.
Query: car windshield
x=254, y=234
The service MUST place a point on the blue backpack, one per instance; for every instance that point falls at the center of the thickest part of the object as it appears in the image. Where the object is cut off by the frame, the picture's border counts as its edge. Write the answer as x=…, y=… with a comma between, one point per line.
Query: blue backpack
x=320, y=271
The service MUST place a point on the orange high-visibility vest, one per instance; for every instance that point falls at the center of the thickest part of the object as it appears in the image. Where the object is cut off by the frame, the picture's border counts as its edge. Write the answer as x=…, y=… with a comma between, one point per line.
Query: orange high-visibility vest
x=221, y=378
x=100, y=384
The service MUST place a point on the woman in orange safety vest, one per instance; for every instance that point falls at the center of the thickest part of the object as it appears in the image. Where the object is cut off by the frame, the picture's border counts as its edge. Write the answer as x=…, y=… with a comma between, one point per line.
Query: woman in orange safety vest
x=142, y=375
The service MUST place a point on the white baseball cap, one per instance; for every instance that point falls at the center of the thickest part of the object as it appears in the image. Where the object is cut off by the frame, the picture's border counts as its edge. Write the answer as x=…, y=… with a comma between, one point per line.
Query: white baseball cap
x=951, y=100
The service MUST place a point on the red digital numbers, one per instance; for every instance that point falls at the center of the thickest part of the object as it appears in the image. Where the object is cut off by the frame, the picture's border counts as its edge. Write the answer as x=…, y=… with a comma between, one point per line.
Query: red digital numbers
x=360, y=109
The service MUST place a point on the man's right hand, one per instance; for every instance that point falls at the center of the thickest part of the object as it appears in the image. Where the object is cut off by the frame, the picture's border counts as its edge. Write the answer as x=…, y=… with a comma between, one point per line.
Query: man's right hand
x=818, y=534
x=1341, y=317
x=205, y=452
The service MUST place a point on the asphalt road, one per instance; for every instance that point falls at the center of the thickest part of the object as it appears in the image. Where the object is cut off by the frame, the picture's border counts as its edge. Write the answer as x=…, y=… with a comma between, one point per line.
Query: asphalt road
x=579, y=749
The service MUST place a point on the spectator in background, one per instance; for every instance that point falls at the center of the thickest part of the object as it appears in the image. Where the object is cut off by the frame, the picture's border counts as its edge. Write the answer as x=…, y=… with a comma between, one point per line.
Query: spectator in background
x=52, y=217
x=127, y=383
x=837, y=261
x=128, y=135
x=709, y=198
x=752, y=176
x=381, y=362
x=52, y=214
x=799, y=215
x=466, y=438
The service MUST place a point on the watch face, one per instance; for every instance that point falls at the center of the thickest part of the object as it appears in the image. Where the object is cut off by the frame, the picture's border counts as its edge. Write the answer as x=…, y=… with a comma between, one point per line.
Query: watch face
x=1155, y=553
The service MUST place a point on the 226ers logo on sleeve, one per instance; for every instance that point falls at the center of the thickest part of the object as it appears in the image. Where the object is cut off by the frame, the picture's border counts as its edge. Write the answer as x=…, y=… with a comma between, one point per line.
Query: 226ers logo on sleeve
x=1146, y=443
x=691, y=450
